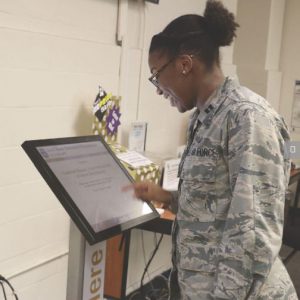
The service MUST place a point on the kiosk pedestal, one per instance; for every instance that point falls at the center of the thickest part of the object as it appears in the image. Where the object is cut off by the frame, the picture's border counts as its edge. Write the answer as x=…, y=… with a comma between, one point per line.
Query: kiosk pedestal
x=86, y=268
x=86, y=276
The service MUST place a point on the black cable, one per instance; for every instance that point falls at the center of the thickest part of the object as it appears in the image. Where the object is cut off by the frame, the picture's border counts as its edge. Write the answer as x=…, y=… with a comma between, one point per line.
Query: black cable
x=148, y=264
x=3, y=289
x=155, y=237
x=11, y=287
x=154, y=293
x=144, y=256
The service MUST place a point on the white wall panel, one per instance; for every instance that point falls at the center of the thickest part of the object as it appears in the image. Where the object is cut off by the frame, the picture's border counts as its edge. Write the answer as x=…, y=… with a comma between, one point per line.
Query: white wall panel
x=289, y=61
x=275, y=35
x=258, y=46
x=136, y=23
x=27, y=88
x=51, y=287
x=46, y=282
x=77, y=19
x=20, y=49
x=15, y=167
x=28, y=261
x=38, y=123
x=250, y=45
x=26, y=200
x=130, y=95
x=25, y=235
x=53, y=56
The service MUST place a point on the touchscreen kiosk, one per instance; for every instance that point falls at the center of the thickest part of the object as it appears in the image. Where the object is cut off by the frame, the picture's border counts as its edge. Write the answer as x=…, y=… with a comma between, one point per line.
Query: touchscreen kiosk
x=87, y=178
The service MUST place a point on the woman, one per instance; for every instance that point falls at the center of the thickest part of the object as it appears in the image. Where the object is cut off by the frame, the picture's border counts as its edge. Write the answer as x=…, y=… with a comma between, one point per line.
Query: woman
x=233, y=175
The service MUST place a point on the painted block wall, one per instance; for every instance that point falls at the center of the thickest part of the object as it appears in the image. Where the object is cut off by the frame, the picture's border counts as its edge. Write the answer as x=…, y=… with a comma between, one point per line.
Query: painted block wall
x=53, y=55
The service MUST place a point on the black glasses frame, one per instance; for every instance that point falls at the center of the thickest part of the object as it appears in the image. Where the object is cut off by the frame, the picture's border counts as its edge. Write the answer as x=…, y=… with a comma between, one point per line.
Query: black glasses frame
x=154, y=77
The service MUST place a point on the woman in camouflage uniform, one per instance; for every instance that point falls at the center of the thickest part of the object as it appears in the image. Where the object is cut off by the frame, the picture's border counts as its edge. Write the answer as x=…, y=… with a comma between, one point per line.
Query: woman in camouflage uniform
x=233, y=174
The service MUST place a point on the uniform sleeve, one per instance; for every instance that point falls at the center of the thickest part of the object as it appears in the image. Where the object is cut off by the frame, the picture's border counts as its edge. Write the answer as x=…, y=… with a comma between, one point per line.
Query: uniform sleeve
x=253, y=228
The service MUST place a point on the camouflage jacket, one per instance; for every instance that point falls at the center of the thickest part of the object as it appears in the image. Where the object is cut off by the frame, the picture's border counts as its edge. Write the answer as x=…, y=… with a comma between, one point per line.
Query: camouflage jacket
x=230, y=202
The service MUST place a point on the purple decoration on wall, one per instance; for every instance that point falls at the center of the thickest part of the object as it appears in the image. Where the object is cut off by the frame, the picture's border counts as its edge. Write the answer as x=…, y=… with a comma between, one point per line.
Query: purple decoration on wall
x=113, y=120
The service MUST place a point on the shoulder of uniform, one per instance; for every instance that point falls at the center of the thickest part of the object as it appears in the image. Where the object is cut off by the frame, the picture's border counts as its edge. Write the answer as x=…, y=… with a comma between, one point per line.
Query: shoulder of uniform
x=244, y=102
x=246, y=110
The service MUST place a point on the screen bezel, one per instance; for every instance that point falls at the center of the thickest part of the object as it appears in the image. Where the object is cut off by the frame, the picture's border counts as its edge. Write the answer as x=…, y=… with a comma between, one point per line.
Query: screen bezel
x=30, y=147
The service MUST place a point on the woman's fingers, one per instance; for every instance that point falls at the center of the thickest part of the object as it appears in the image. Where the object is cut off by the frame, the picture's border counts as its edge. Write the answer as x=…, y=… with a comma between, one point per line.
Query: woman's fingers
x=127, y=188
x=140, y=190
x=148, y=192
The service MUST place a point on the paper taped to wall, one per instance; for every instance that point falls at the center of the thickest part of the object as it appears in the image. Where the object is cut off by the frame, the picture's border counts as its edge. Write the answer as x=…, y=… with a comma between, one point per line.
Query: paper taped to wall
x=296, y=106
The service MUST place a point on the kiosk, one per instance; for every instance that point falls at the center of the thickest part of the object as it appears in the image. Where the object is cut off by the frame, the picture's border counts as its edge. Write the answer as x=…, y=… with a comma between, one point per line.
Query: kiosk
x=87, y=179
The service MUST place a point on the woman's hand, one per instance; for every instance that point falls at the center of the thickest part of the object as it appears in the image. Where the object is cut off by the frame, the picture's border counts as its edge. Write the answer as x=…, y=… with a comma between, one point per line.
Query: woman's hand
x=150, y=192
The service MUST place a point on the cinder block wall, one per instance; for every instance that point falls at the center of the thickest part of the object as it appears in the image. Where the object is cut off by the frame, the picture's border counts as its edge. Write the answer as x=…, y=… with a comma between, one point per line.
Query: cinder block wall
x=53, y=55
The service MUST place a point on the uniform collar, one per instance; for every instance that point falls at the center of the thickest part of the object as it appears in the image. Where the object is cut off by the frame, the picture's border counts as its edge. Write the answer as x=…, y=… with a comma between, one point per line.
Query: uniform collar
x=214, y=101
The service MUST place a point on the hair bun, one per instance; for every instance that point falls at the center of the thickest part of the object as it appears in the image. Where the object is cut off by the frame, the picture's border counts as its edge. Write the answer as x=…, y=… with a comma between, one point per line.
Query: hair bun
x=220, y=23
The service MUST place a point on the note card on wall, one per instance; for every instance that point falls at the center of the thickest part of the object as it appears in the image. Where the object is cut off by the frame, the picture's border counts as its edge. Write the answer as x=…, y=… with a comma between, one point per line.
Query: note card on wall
x=296, y=106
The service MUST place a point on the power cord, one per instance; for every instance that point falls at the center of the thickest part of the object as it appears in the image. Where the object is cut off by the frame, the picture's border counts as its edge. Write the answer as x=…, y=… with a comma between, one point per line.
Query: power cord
x=3, y=289
x=3, y=279
x=147, y=266
x=144, y=255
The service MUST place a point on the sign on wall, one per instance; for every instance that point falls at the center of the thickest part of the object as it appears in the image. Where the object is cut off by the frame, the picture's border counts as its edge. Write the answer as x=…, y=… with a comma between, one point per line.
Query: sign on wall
x=296, y=106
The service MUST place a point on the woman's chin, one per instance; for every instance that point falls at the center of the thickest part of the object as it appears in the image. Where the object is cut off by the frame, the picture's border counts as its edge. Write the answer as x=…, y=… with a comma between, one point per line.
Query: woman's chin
x=181, y=109
x=173, y=103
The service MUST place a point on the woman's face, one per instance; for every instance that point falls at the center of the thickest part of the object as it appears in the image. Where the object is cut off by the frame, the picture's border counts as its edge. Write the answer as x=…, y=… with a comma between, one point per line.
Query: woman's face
x=173, y=79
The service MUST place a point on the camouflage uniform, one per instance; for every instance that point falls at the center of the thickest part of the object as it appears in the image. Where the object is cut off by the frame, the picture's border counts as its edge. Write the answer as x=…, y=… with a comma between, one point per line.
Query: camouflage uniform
x=230, y=201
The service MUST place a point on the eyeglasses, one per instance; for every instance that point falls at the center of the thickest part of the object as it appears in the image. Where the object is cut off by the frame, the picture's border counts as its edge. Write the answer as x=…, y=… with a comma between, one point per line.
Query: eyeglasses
x=154, y=77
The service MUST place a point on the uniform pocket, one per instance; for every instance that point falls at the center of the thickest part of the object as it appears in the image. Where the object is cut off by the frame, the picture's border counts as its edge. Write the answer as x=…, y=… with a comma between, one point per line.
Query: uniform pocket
x=196, y=168
x=197, y=252
x=198, y=193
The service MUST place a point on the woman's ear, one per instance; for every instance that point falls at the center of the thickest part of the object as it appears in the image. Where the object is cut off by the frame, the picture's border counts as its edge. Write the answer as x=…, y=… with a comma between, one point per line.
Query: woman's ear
x=184, y=64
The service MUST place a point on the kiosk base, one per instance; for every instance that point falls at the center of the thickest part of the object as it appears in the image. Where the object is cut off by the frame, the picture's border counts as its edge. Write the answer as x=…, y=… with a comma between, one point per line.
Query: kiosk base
x=86, y=268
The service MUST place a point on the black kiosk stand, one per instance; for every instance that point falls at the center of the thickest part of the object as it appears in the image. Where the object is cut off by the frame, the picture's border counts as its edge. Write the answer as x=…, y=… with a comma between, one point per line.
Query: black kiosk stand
x=87, y=179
